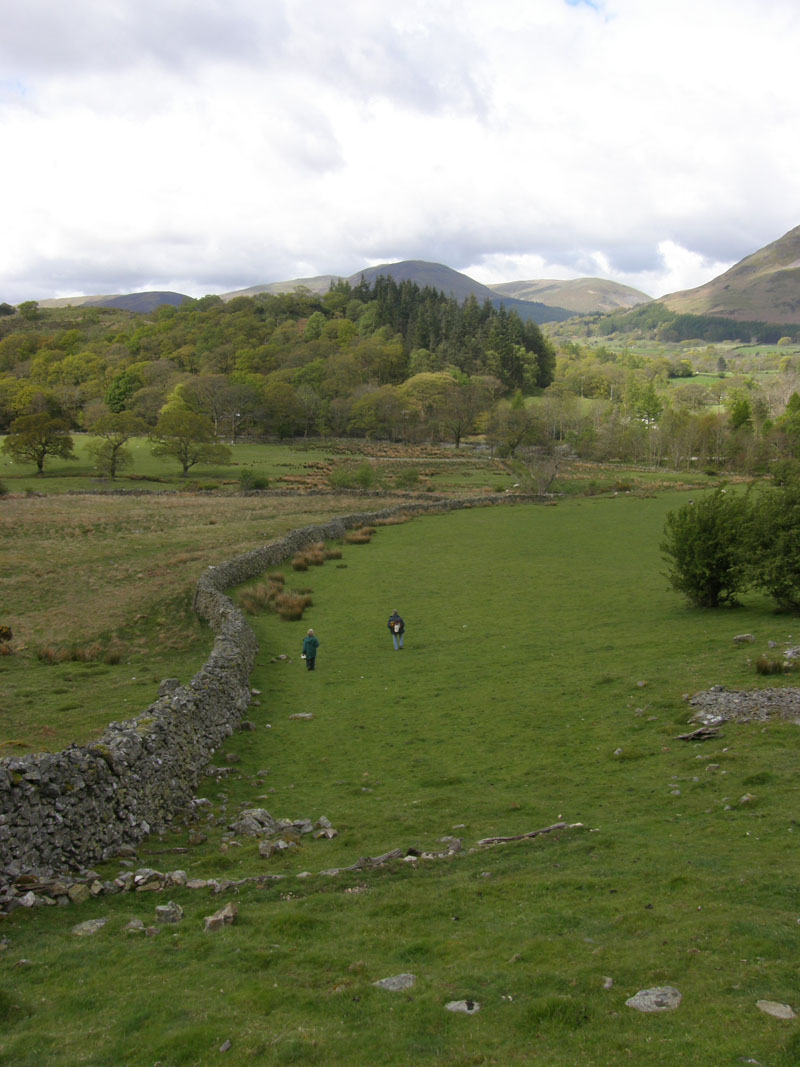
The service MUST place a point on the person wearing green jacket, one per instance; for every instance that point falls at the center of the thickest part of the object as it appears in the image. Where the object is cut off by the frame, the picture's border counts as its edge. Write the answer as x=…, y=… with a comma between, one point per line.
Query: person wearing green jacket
x=310, y=646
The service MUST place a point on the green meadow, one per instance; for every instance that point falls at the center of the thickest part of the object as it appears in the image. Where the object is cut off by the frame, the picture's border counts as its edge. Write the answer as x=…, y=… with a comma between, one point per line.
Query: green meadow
x=542, y=681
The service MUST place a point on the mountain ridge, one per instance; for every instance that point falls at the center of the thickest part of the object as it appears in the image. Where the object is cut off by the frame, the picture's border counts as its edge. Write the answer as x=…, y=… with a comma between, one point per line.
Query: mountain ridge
x=762, y=287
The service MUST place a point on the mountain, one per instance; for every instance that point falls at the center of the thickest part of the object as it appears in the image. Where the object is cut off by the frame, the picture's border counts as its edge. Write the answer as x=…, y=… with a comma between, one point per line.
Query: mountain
x=581, y=296
x=459, y=286
x=121, y=301
x=320, y=284
x=138, y=301
x=763, y=287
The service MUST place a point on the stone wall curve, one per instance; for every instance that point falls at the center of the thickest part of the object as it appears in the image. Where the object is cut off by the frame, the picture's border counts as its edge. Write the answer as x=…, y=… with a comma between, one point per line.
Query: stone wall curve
x=64, y=811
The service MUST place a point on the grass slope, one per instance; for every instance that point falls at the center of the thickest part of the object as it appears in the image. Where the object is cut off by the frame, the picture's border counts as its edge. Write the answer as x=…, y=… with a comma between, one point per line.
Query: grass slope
x=762, y=287
x=542, y=677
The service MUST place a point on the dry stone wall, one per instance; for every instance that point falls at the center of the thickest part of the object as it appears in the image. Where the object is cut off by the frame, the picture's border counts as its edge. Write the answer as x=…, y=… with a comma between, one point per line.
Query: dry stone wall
x=66, y=810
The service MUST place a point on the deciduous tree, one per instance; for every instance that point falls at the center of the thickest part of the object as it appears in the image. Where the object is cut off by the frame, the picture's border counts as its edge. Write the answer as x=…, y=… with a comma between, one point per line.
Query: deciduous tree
x=113, y=431
x=188, y=438
x=34, y=437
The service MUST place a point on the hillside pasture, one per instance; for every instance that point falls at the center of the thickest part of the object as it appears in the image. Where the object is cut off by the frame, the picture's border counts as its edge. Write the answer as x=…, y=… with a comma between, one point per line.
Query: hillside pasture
x=542, y=681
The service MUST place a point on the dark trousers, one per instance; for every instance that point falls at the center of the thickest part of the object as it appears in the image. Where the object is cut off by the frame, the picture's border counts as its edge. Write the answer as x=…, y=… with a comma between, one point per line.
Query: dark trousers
x=311, y=663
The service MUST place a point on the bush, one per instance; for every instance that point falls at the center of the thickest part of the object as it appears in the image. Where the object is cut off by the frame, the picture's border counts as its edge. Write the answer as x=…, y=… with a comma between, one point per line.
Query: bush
x=775, y=557
x=250, y=481
x=706, y=546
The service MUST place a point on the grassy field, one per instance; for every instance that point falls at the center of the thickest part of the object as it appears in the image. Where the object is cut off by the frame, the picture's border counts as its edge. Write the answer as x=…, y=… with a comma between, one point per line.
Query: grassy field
x=296, y=465
x=542, y=681
x=97, y=586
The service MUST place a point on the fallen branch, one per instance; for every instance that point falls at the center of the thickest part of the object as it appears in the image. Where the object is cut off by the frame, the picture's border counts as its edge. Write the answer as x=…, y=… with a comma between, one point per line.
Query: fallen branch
x=367, y=861
x=532, y=833
x=703, y=733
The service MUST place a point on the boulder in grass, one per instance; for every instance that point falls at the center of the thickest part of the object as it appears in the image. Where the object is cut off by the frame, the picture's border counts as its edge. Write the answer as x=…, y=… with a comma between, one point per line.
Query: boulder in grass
x=397, y=982
x=660, y=998
x=776, y=1010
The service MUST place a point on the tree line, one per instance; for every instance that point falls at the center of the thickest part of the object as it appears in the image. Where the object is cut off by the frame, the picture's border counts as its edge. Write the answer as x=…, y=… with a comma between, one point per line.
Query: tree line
x=383, y=359
x=387, y=360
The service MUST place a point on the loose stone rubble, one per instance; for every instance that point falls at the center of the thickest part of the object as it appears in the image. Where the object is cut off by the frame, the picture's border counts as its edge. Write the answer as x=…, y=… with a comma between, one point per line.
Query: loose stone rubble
x=718, y=705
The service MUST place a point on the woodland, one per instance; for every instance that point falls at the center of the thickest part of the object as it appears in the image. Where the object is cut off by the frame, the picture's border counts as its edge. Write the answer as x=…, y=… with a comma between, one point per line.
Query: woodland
x=394, y=361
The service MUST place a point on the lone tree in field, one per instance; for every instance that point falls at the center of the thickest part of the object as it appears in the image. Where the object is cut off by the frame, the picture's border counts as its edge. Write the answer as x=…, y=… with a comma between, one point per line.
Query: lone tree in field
x=188, y=438
x=113, y=431
x=35, y=437
x=706, y=546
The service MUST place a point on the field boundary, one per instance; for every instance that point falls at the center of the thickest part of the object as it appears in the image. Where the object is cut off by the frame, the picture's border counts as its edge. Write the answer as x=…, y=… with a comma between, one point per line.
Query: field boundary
x=61, y=812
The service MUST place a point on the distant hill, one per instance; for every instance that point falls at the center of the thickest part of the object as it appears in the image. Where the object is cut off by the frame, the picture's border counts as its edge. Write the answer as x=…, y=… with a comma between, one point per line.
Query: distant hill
x=581, y=296
x=68, y=301
x=319, y=284
x=138, y=301
x=120, y=301
x=459, y=287
x=763, y=287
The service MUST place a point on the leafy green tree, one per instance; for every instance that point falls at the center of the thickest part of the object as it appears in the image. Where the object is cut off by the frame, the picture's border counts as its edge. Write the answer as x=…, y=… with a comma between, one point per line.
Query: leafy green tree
x=775, y=548
x=113, y=432
x=121, y=389
x=188, y=438
x=464, y=400
x=706, y=546
x=283, y=410
x=35, y=437
x=739, y=408
x=512, y=424
x=377, y=413
x=29, y=310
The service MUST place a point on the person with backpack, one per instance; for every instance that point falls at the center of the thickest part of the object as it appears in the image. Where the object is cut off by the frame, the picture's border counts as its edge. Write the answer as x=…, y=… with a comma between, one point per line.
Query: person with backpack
x=397, y=628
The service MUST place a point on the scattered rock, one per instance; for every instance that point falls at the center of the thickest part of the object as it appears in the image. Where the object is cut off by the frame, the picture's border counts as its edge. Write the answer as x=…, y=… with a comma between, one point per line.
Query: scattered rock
x=224, y=917
x=397, y=982
x=78, y=893
x=660, y=998
x=466, y=1007
x=169, y=912
x=226, y=1046
x=255, y=822
x=778, y=1011
x=608, y=983
x=302, y=715
x=91, y=926
x=744, y=639
x=135, y=926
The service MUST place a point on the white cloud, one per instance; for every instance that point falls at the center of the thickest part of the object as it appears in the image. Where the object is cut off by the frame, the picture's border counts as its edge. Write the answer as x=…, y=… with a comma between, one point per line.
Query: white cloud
x=230, y=145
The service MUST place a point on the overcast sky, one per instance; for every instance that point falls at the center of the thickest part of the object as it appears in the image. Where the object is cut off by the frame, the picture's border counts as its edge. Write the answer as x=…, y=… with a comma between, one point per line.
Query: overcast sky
x=208, y=145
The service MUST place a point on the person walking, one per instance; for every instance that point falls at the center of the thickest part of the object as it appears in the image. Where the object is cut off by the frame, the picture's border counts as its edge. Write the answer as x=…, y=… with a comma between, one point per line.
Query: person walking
x=310, y=646
x=397, y=628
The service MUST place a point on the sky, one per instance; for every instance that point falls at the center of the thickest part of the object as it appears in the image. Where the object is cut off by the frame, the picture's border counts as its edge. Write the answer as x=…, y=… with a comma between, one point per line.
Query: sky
x=204, y=146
